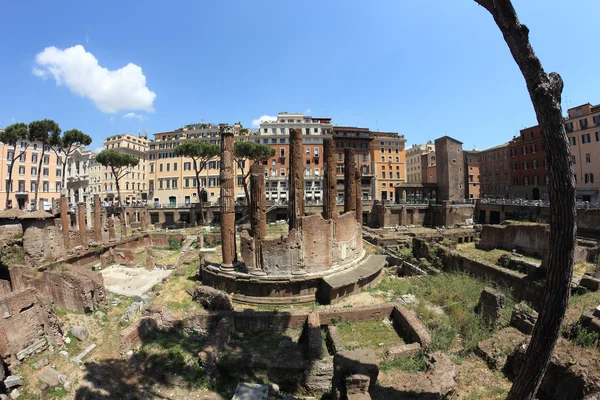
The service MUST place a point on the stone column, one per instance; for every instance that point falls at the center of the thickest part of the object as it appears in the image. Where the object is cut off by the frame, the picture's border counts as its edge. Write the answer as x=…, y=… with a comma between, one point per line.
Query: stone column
x=111, y=228
x=330, y=180
x=358, y=179
x=296, y=179
x=349, y=180
x=97, y=219
x=41, y=204
x=55, y=205
x=82, y=225
x=227, y=199
x=258, y=205
x=123, y=226
x=66, y=221
x=143, y=220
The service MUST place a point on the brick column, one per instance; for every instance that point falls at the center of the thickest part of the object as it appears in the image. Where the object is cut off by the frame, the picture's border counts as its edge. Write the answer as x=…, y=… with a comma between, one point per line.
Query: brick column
x=349, y=180
x=227, y=199
x=143, y=219
x=66, y=221
x=55, y=205
x=358, y=179
x=97, y=219
x=258, y=206
x=330, y=181
x=82, y=225
x=296, y=179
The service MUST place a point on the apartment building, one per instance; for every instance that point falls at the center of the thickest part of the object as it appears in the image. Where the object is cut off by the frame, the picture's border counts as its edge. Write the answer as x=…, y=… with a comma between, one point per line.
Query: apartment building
x=77, y=178
x=414, y=173
x=528, y=170
x=276, y=134
x=388, y=163
x=583, y=130
x=172, y=179
x=25, y=174
x=428, y=168
x=133, y=184
x=360, y=140
x=450, y=165
x=95, y=174
x=494, y=169
x=471, y=172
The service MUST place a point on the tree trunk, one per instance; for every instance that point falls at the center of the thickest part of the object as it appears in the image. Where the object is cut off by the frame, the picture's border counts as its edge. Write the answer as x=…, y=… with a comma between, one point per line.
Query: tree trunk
x=10, y=173
x=199, y=192
x=545, y=92
x=247, y=194
x=39, y=174
x=122, y=213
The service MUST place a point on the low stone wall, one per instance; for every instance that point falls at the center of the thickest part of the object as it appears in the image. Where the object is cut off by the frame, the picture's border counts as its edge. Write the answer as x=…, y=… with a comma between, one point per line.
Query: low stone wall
x=410, y=324
x=528, y=239
x=162, y=239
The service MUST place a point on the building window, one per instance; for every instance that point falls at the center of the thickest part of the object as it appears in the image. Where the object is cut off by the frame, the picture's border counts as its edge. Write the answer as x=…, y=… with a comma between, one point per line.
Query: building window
x=34, y=171
x=45, y=172
x=174, y=166
x=534, y=164
x=535, y=180
x=34, y=157
x=588, y=158
x=525, y=180
x=21, y=170
x=597, y=136
x=282, y=172
x=174, y=183
x=588, y=178
x=585, y=138
x=168, y=167
x=525, y=165
x=583, y=123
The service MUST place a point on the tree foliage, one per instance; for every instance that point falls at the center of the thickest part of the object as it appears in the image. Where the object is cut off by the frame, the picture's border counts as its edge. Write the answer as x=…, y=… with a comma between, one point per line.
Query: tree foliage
x=44, y=131
x=252, y=151
x=70, y=140
x=116, y=161
x=197, y=150
x=14, y=133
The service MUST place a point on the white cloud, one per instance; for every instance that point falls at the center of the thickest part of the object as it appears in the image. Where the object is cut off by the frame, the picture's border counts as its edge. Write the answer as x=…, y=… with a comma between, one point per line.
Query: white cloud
x=98, y=149
x=264, y=118
x=308, y=111
x=131, y=115
x=111, y=91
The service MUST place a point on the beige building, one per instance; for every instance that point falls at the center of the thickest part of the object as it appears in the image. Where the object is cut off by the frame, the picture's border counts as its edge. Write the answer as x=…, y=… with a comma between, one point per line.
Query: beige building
x=414, y=169
x=134, y=185
x=389, y=163
x=172, y=180
x=25, y=173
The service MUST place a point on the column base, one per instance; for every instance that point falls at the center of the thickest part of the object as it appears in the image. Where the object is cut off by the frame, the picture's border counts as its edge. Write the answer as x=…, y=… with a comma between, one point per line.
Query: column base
x=227, y=267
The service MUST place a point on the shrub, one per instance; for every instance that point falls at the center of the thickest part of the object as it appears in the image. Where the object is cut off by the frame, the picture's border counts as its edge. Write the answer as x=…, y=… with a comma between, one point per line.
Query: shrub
x=406, y=364
x=585, y=338
x=174, y=244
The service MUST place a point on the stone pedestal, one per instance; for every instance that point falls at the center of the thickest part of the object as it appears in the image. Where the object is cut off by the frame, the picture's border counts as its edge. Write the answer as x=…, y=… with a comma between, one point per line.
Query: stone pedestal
x=296, y=179
x=82, y=225
x=66, y=221
x=349, y=180
x=330, y=180
x=97, y=218
x=227, y=199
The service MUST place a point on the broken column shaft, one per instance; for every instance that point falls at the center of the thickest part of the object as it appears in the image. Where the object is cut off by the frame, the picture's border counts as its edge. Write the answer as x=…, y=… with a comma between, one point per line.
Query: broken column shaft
x=227, y=199
x=330, y=205
x=258, y=205
x=82, y=225
x=358, y=179
x=296, y=179
x=143, y=220
x=97, y=219
x=111, y=228
x=66, y=221
x=349, y=180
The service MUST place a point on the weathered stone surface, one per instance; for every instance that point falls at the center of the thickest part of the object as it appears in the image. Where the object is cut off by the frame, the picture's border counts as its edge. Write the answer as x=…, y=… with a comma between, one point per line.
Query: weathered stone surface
x=13, y=381
x=495, y=349
x=97, y=219
x=251, y=391
x=296, y=179
x=99, y=314
x=216, y=342
x=37, y=347
x=490, y=305
x=333, y=340
x=66, y=222
x=50, y=377
x=315, y=338
x=351, y=362
x=83, y=354
x=318, y=376
x=41, y=241
x=573, y=372
x=131, y=312
x=330, y=180
x=589, y=282
x=410, y=324
x=79, y=332
x=150, y=259
x=357, y=384
x=258, y=215
x=523, y=318
x=358, y=187
x=227, y=199
x=40, y=364
x=212, y=299
x=402, y=350
x=349, y=180
x=82, y=225
x=15, y=394
x=111, y=229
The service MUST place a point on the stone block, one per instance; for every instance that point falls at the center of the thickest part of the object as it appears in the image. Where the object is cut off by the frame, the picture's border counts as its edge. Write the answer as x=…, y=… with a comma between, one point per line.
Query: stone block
x=315, y=337
x=495, y=349
x=590, y=282
x=318, y=376
x=212, y=299
x=333, y=339
x=403, y=350
x=357, y=384
x=251, y=391
x=40, y=364
x=15, y=394
x=83, y=354
x=79, y=332
x=37, y=347
x=523, y=318
x=12, y=381
x=352, y=362
x=491, y=303
x=49, y=376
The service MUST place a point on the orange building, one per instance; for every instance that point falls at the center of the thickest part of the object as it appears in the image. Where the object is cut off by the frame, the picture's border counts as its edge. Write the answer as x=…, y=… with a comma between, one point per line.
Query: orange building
x=389, y=163
x=471, y=159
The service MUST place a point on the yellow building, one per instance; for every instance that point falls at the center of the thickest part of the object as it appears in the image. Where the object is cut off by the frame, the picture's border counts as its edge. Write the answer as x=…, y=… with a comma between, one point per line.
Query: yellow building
x=172, y=180
x=389, y=163
x=133, y=185
x=25, y=174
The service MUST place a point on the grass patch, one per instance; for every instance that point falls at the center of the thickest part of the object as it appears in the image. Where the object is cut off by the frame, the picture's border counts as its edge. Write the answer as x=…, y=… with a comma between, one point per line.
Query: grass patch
x=377, y=335
x=173, y=294
x=405, y=364
x=487, y=256
x=585, y=338
x=578, y=304
x=14, y=255
x=581, y=268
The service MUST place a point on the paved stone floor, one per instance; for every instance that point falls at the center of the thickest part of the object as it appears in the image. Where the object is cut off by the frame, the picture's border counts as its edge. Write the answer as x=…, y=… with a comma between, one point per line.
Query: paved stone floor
x=131, y=282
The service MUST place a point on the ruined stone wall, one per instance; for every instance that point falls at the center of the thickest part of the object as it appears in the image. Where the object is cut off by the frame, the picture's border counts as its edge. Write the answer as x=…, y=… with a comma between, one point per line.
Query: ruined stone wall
x=162, y=239
x=282, y=255
x=42, y=241
x=348, y=239
x=528, y=239
x=317, y=236
x=76, y=289
x=26, y=320
x=10, y=229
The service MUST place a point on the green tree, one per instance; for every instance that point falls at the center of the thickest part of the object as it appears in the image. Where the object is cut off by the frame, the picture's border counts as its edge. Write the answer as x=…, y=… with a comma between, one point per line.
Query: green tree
x=12, y=136
x=42, y=131
x=250, y=152
x=200, y=153
x=119, y=164
x=67, y=144
x=545, y=92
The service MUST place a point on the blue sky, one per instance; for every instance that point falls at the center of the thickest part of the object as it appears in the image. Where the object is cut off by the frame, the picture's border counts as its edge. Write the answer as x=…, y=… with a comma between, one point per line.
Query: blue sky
x=423, y=68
